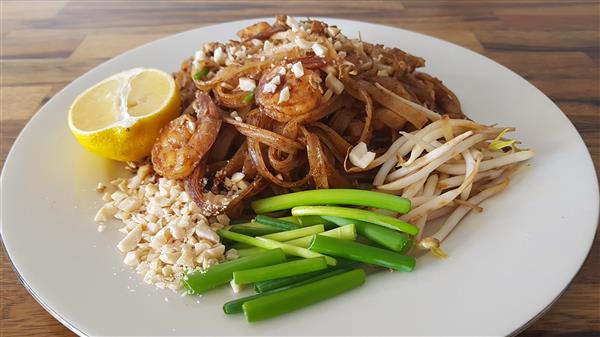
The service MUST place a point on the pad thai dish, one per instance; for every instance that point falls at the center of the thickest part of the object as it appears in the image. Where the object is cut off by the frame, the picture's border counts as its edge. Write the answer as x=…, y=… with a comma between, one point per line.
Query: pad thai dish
x=293, y=160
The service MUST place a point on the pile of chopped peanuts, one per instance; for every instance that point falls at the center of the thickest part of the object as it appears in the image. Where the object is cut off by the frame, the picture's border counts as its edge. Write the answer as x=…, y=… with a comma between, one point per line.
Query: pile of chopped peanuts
x=165, y=232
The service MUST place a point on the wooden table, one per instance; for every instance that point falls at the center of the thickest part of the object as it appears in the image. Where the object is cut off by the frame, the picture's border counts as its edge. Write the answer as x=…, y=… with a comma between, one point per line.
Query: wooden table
x=553, y=44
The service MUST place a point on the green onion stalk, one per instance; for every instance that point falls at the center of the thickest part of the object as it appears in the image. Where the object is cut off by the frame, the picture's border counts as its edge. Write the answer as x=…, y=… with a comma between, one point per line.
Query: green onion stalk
x=386, y=237
x=276, y=271
x=200, y=281
x=332, y=197
x=357, y=214
x=288, y=300
x=272, y=244
x=362, y=253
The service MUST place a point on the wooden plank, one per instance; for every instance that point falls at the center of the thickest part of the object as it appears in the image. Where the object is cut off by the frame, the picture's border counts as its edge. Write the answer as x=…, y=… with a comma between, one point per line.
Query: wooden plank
x=20, y=103
x=562, y=8
x=549, y=22
x=17, y=44
x=20, y=14
x=452, y=23
x=569, y=88
x=542, y=65
x=43, y=71
x=585, y=115
x=109, y=45
x=21, y=315
x=539, y=40
x=461, y=38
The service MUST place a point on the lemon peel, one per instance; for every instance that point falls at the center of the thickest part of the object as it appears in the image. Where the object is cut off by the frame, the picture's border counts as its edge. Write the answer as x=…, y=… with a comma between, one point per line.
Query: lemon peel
x=120, y=117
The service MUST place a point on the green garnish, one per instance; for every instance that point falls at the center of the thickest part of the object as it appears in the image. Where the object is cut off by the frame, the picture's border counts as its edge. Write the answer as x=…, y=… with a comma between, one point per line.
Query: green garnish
x=200, y=74
x=254, y=229
x=296, y=233
x=272, y=244
x=198, y=282
x=265, y=286
x=362, y=253
x=277, y=223
x=291, y=268
x=249, y=98
x=332, y=197
x=357, y=214
x=281, y=302
x=347, y=232
x=388, y=238
x=280, y=284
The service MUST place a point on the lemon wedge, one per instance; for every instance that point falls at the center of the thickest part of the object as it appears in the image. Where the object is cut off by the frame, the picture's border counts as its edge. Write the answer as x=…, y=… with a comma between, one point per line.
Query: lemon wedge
x=120, y=117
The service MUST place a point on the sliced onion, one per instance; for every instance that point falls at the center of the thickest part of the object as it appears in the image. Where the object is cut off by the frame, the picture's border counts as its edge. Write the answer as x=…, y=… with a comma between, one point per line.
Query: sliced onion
x=259, y=162
x=232, y=99
x=390, y=118
x=365, y=135
x=340, y=120
x=389, y=100
x=317, y=160
x=336, y=143
x=265, y=136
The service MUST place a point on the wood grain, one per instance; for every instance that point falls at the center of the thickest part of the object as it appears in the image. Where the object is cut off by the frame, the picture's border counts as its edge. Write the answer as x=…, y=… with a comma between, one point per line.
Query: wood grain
x=554, y=44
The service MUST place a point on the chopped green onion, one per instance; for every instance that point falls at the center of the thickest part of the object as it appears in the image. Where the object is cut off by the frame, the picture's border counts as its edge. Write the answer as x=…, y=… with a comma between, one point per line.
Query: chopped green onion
x=239, y=245
x=264, y=286
x=271, y=244
x=200, y=74
x=238, y=221
x=254, y=229
x=358, y=214
x=298, y=297
x=249, y=251
x=235, y=306
x=296, y=220
x=296, y=251
x=249, y=98
x=285, y=269
x=198, y=282
x=296, y=233
x=310, y=220
x=362, y=253
x=386, y=237
x=233, y=236
x=257, y=229
x=332, y=197
x=277, y=223
x=347, y=232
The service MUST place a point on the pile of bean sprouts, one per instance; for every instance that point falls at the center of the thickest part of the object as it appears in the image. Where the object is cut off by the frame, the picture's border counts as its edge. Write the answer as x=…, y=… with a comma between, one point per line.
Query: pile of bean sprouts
x=447, y=169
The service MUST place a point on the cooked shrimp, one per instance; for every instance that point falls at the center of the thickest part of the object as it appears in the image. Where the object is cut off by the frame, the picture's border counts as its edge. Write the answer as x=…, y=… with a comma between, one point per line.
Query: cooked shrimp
x=183, y=143
x=250, y=31
x=304, y=93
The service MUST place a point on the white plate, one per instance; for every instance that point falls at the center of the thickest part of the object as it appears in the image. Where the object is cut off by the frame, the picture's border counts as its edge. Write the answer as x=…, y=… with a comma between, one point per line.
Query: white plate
x=506, y=265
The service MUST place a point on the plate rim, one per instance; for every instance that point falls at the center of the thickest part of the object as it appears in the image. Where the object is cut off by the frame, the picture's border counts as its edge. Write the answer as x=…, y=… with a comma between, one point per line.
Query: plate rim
x=74, y=329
